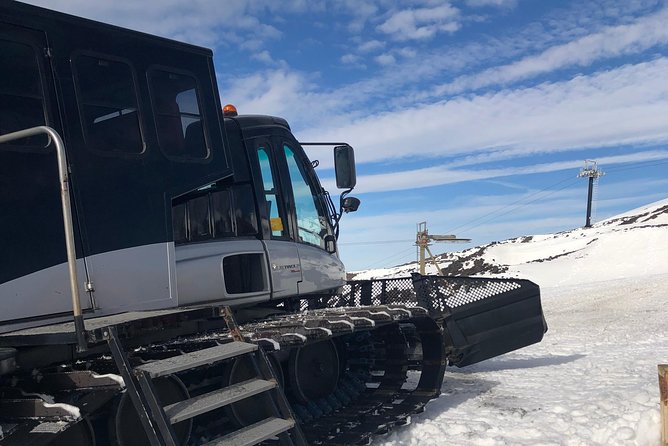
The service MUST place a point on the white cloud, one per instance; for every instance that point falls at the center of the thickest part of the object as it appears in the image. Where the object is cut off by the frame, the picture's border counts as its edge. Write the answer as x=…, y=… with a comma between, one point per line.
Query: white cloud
x=252, y=44
x=263, y=56
x=613, y=41
x=195, y=21
x=445, y=174
x=349, y=58
x=270, y=93
x=621, y=106
x=385, y=59
x=421, y=23
x=407, y=52
x=361, y=12
x=497, y=3
x=371, y=45
x=280, y=92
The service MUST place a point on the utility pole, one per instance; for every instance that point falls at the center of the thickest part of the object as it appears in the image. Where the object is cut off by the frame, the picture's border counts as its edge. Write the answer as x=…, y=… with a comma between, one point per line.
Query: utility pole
x=592, y=172
x=422, y=241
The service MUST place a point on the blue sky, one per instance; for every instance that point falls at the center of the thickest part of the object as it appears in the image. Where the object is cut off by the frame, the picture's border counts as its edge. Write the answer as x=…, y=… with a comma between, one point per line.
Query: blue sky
x=474, y=115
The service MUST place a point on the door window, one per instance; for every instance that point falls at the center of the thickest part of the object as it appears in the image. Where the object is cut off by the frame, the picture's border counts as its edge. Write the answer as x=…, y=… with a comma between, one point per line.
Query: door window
x=270, y=194
x=311, y=223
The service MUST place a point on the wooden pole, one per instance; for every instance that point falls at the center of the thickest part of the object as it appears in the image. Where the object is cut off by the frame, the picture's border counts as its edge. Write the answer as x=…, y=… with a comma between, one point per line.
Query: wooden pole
x=433, y=260
x=663, y=395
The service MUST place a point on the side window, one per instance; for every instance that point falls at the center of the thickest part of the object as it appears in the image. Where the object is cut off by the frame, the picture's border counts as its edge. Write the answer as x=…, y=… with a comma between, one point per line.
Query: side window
x=222, y=214
x=270, y=193
x=178, y=115
x=180, y=223
x=21, y=95
x=245, y=217
x=311, y=224
x=215, y=213
x=199, y=217
x=108, y=105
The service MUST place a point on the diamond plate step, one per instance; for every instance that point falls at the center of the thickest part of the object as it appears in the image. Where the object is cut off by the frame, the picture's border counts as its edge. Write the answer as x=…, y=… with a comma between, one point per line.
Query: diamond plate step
x=184, y=410
x=197, y=358
x=255, y=433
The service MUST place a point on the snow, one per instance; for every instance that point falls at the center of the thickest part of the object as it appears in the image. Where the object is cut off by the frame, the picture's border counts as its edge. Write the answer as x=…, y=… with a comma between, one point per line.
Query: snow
x=276, y=346
x=117, y=378
x=297, y=335
x=348, y=323
x=74, y=411
x=628, y=245
x=327, y=331
x=370, y=321
x=593, y=378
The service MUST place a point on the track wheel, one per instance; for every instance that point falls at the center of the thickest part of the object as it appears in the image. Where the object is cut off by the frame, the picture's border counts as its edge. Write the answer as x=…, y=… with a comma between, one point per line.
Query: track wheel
x=126, y=428
x=255, y=408
x=314, y=371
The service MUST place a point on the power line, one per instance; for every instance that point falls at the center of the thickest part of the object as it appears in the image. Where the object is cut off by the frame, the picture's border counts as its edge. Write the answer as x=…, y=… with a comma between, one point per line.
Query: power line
x=637, y=166
x=534, y=200
x=400, y=254
x=505, y=210
x=569, y=181
x=516, y=204
x=376, y=242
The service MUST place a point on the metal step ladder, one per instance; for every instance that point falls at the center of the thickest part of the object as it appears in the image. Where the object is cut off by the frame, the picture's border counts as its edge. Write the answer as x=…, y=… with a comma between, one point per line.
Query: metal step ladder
x=157, y=419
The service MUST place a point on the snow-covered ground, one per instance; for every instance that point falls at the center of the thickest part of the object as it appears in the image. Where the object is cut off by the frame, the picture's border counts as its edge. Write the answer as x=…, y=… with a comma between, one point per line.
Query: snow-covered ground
x=593, y=378
x=628, y=245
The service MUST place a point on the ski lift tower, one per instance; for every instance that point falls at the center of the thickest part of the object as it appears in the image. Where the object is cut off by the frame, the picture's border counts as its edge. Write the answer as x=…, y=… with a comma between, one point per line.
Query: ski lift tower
x=592, y=172
x=424, y=239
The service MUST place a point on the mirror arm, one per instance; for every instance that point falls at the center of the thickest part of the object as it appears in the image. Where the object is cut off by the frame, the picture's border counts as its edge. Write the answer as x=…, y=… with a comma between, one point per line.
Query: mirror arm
x=335, y=217
x=341, y=198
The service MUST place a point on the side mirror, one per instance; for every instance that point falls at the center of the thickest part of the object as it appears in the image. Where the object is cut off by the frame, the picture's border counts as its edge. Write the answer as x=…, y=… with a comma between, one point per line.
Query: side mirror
x=344, y=164
x=350, y=204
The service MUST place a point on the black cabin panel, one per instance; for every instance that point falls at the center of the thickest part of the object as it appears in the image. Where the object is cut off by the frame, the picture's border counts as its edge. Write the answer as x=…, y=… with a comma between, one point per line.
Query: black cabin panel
x=141, y=123
x=31, y=225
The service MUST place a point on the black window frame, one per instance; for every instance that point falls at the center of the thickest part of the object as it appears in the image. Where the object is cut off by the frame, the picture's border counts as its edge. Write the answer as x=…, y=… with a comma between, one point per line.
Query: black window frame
x=202, y=110
x=312, y=182
x=279, y=189
x=184, y=203
x=80, y=104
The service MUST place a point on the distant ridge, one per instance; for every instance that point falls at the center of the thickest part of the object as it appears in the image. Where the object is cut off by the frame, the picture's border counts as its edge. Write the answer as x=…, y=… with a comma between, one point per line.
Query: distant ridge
x=627, y=245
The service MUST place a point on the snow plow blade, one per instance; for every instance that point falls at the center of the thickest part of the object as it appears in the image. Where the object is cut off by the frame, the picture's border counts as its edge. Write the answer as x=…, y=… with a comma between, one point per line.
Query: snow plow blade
x=481, y=317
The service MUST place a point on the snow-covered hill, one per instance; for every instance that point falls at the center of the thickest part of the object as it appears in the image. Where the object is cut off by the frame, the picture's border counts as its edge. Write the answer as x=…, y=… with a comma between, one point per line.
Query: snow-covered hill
x=593, y=378
x=627, y=245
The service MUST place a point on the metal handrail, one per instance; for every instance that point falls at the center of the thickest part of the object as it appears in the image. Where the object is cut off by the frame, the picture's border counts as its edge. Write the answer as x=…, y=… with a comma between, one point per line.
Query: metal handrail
x=63, y=174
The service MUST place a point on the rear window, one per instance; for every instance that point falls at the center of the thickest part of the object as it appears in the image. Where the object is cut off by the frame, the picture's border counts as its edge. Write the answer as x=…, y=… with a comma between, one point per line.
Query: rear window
x=178, y=115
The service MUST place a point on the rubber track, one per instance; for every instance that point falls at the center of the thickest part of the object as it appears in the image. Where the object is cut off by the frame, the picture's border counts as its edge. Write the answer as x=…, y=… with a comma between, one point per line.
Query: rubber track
x=362, y=405
x=370, y=410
